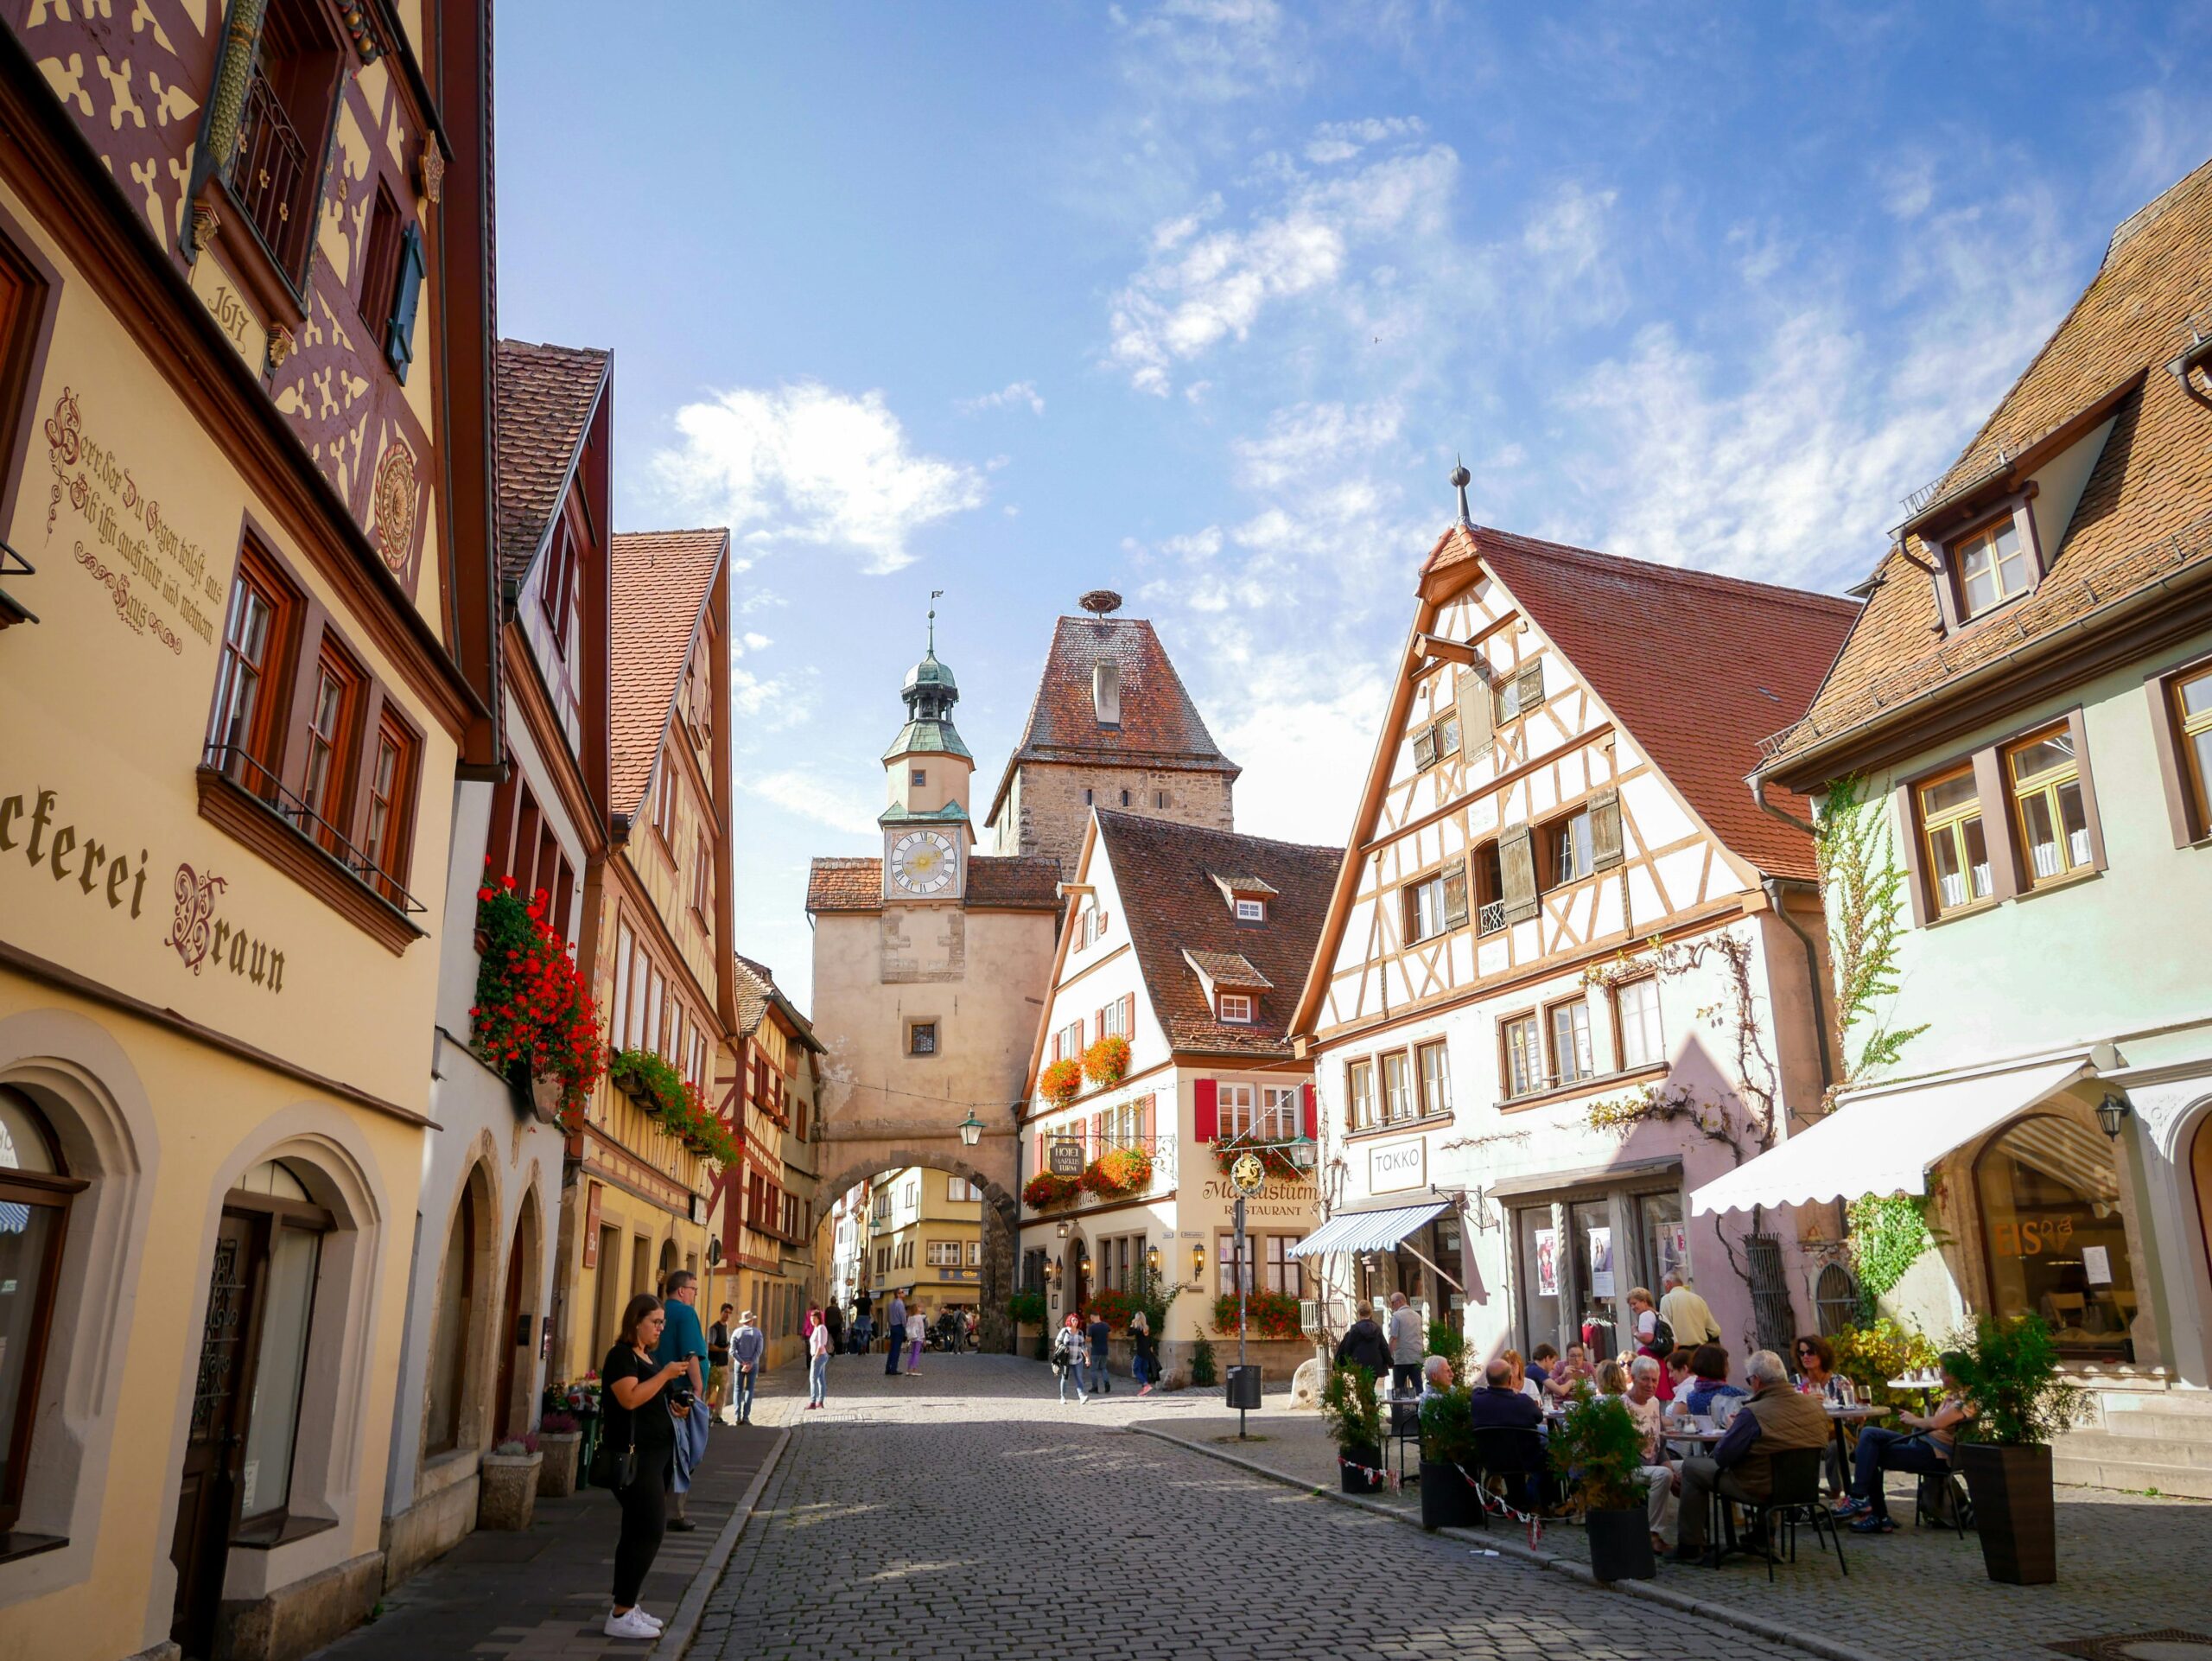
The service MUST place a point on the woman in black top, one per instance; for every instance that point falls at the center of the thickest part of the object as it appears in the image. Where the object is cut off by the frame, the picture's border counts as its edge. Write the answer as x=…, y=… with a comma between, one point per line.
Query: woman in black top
x=635, y=1413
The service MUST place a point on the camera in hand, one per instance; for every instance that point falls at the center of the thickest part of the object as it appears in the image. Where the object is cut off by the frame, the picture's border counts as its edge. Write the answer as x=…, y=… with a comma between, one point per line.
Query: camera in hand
x=679, y=1393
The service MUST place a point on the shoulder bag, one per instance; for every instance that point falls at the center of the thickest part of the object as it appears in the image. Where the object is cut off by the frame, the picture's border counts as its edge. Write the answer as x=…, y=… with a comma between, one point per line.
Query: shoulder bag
x=612, y=1467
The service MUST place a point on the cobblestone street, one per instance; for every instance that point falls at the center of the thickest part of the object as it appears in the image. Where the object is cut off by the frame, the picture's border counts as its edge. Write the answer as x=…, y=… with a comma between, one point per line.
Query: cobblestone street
x=966, y=1512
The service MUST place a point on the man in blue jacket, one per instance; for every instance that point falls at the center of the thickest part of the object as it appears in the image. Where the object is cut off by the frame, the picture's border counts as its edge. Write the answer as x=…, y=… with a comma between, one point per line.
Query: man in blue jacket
x=683, y=1340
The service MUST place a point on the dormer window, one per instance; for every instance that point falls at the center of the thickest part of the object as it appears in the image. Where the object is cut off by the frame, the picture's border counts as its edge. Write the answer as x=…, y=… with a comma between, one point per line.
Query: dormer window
x=1993, y=565
x=1237, y=1007
x=1251, y=911
x=1106, y=693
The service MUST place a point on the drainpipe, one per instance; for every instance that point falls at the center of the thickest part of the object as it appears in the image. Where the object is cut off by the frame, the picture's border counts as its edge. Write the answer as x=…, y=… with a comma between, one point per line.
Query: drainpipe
x=1772, y=886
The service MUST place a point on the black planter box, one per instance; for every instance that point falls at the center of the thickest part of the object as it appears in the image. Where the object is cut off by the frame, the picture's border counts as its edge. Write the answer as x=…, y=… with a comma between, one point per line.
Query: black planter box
x=1357, y=1481
x=1620, y=1545
x=1446, y=1500
x=2013, y=1511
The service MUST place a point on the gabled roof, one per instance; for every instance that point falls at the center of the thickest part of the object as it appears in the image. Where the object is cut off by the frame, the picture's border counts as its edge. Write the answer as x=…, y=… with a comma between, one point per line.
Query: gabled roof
x=1698, y=678
x=661, y=582
x=758, y=993
x=1160, y=728
x=2145, y=510
x=996, y=882
x=547, y=395
x=1162, y=871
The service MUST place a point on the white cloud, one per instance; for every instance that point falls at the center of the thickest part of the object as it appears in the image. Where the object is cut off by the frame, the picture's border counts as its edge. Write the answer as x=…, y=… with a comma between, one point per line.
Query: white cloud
x=1199, y=288
x=1304, y=749
x=768, y=703
x=1308, y=438
x=806, y=464
x=810, y=796
x=1020, y=392
x=1211, y=51
x=1339, y=141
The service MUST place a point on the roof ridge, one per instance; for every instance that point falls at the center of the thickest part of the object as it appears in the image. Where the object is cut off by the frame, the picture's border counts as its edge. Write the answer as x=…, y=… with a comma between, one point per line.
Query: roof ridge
x=2125, y=231
x=1780, y=592
x=1150, y=820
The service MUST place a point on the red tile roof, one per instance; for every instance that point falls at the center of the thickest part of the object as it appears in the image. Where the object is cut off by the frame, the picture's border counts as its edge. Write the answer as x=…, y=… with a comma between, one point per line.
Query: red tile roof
x=661, y=582
x=1695, y=666
x=1160, y=728
x=1171, y=904
x=2145, y=510
x=996, y=882
x=547, y=394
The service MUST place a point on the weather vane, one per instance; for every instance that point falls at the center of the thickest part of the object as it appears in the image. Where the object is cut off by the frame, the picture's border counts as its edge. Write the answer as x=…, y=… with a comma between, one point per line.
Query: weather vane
x=936, y=594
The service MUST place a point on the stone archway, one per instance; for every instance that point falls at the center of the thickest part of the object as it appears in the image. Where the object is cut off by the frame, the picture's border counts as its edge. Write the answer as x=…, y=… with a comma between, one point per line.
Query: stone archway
x=1001, y=1222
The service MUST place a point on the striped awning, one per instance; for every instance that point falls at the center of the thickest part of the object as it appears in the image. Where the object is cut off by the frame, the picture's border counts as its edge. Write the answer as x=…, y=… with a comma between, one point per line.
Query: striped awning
x=1368, y=1231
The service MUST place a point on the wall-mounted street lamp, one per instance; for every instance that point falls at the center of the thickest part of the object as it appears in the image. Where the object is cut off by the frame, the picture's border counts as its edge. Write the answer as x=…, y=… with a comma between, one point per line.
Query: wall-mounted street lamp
x=1086, y=1266
x=1198, y=1261
x=1061, y=1232
x=1152, y=1259
x=2113, y=1114
x=971, y=1129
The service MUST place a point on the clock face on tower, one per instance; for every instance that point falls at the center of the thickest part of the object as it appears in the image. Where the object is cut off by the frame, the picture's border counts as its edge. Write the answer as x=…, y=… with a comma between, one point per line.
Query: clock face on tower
x=924, y=863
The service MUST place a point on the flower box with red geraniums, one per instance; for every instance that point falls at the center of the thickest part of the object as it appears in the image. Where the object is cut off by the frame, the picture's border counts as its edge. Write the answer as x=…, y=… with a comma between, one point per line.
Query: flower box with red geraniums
x=1062, y=1082
x=1113, y=1306
x=1118, y=1171
x=1044, y=1191
x=1107, y=1062
x=533, y=1008
x=1267, y=1314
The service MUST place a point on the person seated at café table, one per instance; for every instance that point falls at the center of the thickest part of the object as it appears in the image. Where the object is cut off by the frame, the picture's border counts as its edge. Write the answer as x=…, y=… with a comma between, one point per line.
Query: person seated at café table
x=1774, y=1419
x=1637, y=1386
x=1923, y=1449
x=1541, y=1364
x=1521, y=1380
x=1817, y=1377
x=1435, y=1378
x=1500, y=1405
x=1569, y=1375
x=1709, y=1378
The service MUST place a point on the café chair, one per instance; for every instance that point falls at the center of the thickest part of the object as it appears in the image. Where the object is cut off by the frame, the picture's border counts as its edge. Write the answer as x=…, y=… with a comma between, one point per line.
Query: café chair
x=1793, y=1497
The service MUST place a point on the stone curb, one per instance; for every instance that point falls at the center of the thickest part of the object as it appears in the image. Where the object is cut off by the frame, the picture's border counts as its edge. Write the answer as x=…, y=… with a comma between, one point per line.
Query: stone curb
x=683, y=1624
x=1491, y=1540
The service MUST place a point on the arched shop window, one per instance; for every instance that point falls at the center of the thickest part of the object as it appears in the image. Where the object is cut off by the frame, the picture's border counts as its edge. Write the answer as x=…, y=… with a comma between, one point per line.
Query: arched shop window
x=2058, y=1244
x=34, y=1192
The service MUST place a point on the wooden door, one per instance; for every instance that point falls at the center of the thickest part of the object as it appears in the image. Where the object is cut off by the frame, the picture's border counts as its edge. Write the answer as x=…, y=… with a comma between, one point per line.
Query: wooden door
x=222, y=1396
x=514, y=1337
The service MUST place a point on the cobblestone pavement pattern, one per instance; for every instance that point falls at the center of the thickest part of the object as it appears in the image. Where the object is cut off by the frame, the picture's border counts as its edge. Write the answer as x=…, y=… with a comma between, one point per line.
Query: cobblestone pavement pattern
x=966, y=1512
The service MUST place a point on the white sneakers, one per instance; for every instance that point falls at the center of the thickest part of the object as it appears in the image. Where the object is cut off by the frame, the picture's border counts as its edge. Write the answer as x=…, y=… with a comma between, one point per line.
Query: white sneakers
x=635, y=1624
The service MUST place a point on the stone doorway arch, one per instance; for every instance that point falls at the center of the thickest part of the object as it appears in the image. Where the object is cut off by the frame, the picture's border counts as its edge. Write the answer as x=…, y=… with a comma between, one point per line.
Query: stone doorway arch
x=1002, y=1220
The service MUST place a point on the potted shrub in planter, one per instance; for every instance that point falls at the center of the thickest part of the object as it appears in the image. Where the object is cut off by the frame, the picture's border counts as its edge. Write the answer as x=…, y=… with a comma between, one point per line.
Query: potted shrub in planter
x=1354, y=1419
x=1447, y=1436
x=2009, y=1370
x=559, y=1436
x=506, y=1493
x=1597, y=1450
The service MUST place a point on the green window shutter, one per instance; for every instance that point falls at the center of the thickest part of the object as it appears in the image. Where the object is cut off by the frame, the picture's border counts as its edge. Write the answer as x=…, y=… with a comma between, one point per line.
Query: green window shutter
x=1473, y=696
x=1605, y=830
x=399, y=336
x=1517, y=862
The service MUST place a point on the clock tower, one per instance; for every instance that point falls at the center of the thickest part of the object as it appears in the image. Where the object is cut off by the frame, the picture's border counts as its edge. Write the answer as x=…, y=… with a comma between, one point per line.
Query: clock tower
x=926, y=834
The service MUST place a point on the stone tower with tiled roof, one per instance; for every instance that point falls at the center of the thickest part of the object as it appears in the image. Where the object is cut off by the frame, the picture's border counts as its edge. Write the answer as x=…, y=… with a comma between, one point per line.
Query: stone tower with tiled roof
x=1111, y=727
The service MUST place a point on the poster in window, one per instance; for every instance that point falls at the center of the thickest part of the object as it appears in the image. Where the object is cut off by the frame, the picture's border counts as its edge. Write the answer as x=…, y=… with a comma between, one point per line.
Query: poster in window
x=1546, y=1263
x=1601, y=1262
x=2096, y=1264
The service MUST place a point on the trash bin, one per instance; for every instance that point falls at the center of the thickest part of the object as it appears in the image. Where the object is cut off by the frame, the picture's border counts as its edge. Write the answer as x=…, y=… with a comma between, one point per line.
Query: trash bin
x=1243, y=1386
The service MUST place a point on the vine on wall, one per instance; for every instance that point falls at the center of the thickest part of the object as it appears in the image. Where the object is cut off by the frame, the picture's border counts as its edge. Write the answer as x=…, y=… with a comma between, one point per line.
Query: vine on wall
x=1888, y=1234
x=1865, y=887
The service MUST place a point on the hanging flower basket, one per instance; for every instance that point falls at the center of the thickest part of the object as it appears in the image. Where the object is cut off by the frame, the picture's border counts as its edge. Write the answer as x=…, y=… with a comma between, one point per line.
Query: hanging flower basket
x=1117, y=1171
x=1107, y=1062
x=1062, y=1082
x=533, y=1009
x=677, y=1102
x=1044, y=1191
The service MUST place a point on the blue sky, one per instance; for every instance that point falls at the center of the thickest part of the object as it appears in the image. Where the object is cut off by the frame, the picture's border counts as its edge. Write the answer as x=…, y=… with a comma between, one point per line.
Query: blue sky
x=1199, y=299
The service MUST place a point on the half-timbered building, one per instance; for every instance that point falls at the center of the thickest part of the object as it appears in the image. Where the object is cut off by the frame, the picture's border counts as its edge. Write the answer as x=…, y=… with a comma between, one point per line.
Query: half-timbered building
x=1191, y=944
x=1569, y=966
x=247, y=648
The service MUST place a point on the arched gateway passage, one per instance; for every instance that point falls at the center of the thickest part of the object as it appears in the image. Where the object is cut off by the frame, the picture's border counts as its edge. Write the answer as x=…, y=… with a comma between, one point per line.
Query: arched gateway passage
x=860, y=1159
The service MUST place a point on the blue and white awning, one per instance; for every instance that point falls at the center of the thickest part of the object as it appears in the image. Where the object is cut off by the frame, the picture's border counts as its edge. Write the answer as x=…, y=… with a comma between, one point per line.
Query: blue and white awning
x=1368, y=1231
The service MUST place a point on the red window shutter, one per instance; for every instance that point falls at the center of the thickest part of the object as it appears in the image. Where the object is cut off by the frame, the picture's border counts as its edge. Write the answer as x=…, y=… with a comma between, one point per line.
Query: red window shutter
x=1056, y=1046
x=1144, y=1121
x=1129, y=1017
x=1208, y=1128
x=1098, y=1025
x=1097, y=1134
x=1312, y=1113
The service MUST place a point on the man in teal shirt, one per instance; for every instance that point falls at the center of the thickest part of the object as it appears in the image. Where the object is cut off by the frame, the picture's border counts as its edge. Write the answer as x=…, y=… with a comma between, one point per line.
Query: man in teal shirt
x=683, y=1340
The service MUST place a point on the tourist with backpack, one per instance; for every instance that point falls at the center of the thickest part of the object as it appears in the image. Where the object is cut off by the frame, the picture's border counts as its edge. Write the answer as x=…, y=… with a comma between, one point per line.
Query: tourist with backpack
x=1654, y=1335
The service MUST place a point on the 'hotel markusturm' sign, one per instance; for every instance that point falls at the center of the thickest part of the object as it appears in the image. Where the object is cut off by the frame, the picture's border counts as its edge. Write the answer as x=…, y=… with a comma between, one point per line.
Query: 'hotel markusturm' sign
x=1063, y=1156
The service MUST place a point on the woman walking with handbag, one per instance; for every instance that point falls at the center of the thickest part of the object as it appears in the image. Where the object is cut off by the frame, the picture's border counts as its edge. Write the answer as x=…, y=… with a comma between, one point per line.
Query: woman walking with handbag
x=1067, y=1357
x=637, y=1456
x=1144, y=1362
x=817, y=1362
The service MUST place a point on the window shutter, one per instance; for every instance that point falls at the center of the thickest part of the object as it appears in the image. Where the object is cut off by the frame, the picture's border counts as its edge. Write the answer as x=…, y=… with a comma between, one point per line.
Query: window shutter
x=1097, y=1134
x=1477, y=712
x=1605, y=830
x=1455, y=896
x=1208, y=1113
x=1056, y=1047
x=1146, y=1121
x=1425, y=748
x=1129, y=1017
x=1312, y=1111
x=1098, y=1025
x=399, y=337
x=1516, y=865
x=1040, y=1152
x=1531, y=689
